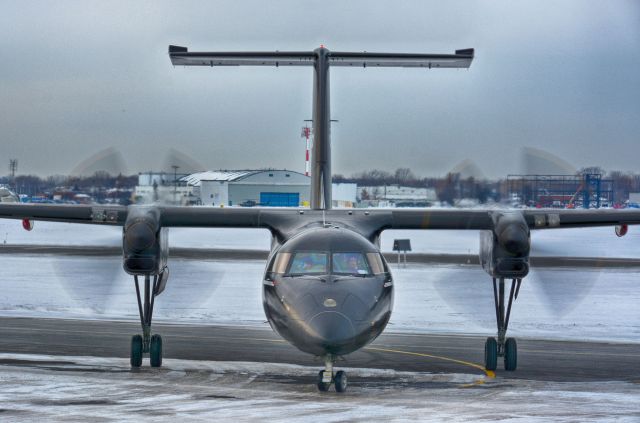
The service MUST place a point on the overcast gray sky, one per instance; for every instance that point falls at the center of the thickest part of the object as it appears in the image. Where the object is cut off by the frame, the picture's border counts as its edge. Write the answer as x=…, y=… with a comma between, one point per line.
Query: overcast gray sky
x=77, y=77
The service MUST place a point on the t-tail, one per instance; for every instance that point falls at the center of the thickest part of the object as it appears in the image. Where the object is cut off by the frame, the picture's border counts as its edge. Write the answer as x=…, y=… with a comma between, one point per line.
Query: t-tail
x=321, y=59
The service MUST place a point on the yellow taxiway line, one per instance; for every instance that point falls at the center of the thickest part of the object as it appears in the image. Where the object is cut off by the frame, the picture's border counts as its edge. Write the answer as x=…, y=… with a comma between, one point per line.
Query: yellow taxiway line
x=488, y=373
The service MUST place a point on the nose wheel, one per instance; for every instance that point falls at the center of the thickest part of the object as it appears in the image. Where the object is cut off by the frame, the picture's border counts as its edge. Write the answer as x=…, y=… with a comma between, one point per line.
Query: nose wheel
x=146, y=343
x=327, y=377
x=339, y=380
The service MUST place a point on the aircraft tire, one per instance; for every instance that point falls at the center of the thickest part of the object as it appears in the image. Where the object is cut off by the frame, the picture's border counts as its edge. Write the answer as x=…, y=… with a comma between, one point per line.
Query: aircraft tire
x=136, y=351
x=510, y=355
x=155, y=351
x=322, y=386
x=490, y=354
x=340, y=380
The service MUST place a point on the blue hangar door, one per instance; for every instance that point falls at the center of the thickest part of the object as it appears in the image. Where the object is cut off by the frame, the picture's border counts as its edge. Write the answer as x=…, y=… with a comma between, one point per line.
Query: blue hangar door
x=280, y=199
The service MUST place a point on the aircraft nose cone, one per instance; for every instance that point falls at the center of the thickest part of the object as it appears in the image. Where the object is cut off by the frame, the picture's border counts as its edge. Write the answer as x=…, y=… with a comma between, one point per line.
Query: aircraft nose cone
x=332, y=329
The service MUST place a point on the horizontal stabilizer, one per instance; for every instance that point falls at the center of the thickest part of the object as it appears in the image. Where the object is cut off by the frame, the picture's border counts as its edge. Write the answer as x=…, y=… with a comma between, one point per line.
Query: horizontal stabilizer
x=180, y=56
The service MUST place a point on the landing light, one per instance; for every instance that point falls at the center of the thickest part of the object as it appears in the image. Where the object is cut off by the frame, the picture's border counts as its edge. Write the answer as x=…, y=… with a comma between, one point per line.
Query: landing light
x=330, y=302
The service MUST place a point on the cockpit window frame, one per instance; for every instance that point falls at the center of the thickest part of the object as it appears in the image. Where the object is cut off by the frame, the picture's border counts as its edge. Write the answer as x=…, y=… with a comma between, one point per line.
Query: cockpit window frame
x=377, y=264
x=280, y=263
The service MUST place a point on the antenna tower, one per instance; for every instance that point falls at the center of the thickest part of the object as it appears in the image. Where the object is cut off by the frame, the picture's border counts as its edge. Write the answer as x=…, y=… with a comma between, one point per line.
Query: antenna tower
x=13, y=168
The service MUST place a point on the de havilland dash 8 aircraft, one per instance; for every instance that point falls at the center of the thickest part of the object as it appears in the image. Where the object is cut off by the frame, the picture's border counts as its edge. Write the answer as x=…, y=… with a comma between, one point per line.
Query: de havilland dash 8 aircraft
x=326, y=288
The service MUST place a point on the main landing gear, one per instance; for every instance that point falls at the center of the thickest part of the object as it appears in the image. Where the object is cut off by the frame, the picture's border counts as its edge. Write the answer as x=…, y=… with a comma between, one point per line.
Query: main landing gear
x=326, y=377
x=147, y=343
x=503, y=347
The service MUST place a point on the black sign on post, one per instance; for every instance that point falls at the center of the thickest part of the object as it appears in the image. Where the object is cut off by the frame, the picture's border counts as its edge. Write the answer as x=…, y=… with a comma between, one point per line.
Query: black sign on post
x=402, y=245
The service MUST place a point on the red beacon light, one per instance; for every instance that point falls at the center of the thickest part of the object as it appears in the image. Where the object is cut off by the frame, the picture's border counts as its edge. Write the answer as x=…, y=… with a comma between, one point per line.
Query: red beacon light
x=27, y=224
x=621, y=230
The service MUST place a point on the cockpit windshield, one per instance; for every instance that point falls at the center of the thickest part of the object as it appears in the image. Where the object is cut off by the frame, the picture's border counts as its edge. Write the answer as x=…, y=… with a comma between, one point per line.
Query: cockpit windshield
x=322, y=263
x=308, y=263
x=349, y=264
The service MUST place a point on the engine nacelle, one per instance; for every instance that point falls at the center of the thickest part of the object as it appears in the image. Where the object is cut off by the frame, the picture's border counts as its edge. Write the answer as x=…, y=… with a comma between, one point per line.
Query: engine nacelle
x=144, y=243
x=504, y=251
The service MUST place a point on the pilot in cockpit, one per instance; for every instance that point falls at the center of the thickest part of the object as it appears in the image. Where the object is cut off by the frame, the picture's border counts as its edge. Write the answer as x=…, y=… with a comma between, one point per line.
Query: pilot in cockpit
x=307, y=265
x=352, y=264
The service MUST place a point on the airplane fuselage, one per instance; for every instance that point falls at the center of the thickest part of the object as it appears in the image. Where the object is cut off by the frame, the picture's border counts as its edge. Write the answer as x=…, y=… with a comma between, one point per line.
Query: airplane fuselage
x=328, y=291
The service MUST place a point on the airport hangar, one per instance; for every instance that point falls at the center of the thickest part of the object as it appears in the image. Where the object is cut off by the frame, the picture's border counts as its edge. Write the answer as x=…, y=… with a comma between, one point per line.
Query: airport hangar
x=265, y=187
x=270, y=187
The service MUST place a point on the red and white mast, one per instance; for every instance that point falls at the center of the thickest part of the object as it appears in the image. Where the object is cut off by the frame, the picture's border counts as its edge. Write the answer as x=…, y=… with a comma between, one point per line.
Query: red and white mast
x=306, y=133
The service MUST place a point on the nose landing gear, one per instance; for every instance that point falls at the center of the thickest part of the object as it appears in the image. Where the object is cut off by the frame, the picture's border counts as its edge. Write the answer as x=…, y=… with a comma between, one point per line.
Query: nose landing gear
x=326, y=377
x=503, y=347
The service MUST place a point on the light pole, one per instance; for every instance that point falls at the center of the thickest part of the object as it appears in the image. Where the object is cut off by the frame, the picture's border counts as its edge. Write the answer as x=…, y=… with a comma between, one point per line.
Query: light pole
x=175, y=183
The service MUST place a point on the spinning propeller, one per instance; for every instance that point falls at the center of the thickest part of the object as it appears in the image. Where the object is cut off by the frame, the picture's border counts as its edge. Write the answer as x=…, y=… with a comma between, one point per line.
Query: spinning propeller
x=96, y=283
x=555, y=289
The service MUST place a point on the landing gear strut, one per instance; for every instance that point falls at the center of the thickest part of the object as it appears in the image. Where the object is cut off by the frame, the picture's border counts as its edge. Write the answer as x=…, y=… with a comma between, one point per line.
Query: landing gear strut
x=146, y=343
x=503, y=347
x=326, y=377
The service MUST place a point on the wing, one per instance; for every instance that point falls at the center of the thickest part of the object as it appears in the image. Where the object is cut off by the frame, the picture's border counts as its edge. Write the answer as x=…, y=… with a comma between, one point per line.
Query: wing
x=72, y=213
x=210, y=217
x=375, y=220
x=484, y=219
x=201, y=217
x=551, y=218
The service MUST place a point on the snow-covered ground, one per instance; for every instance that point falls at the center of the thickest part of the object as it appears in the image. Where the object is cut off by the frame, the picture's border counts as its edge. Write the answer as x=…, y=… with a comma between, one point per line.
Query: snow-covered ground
x=583, y=304
x=553, y=303
x=584, y=242
x=46, y=388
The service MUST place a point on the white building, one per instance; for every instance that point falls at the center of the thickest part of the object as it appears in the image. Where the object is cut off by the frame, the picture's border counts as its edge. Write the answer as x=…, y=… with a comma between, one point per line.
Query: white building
x=344, y=195
x=7, y=196
x=271, y=187
x=396, y=195
x=164, y=187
